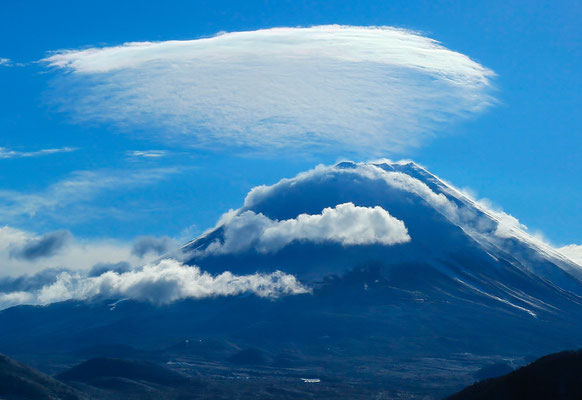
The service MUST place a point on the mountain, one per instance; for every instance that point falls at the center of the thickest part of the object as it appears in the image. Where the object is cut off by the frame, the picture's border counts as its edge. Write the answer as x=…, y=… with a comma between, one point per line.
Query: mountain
x=451, y=234
x=20, y=382
x=556, y=376
x=97, y=369
x=109, y=378
x=410, y=289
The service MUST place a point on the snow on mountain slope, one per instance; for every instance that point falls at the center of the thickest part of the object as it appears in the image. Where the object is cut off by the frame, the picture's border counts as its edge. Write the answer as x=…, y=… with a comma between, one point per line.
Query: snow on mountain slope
x=483, y=253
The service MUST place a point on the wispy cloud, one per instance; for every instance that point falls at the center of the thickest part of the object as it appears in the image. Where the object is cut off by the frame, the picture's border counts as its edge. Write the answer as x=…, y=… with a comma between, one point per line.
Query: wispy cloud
x=8, y=153
x=147, y=153
x=5, y=62
x=24, y=252
x=79, y=187
x=342, y=88
x=160, y=283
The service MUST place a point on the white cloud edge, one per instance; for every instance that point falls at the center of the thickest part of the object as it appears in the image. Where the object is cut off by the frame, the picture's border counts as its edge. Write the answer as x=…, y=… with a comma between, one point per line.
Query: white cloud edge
x=376, y=88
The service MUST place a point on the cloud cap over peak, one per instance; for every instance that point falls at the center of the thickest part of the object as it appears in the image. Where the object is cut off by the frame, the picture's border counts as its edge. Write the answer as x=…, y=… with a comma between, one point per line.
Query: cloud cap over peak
x=341, y=88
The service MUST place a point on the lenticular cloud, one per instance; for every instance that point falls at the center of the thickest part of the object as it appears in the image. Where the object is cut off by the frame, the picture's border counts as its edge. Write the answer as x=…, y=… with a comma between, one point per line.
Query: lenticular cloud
x=372, y=89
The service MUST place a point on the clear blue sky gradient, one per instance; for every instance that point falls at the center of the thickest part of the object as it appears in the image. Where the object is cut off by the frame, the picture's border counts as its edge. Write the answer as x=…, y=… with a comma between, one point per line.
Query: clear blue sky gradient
x=525, y=154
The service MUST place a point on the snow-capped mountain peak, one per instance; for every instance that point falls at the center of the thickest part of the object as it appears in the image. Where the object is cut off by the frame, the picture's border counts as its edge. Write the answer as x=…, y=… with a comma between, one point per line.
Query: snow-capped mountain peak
x=328, y=221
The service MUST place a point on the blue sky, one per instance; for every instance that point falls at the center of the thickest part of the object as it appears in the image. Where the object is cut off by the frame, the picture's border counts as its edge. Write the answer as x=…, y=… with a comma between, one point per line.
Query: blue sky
x=523, y=153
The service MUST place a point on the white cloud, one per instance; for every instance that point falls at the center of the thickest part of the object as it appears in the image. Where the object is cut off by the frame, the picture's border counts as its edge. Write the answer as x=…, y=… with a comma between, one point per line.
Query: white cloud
x=478, y=218
x=25, y=253
x=6, y=62
x=74, y=254
x=357, y=89
x=147, y=153
x=79, y=187
x=7, y=153
x=346, y=224
x=573, y=252
x=160, y=283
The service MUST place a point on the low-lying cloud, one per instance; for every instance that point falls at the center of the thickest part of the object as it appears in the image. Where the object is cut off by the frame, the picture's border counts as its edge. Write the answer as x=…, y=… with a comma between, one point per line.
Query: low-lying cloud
x=160, y=283
x=45, y=246
x=345, y=224
x=321, y=89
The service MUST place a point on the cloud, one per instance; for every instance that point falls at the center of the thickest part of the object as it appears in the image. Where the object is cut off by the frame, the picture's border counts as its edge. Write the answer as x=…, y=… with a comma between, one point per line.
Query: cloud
x=573, y=252
x=44, y=246
x=78, y=187
x=25, y=283
x=323, y=89
x=484, y=223
x=7, y=153
x=147, y=153
x=160, y=283
x=23, y=252
x=6, y=62
x=443, y=196
x=101, y=268
x=345, y=224
x=373, y=171
x=155, y=245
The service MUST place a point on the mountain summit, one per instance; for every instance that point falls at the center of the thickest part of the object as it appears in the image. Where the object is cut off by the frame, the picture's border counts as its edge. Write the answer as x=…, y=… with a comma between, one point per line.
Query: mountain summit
x=401, y=219
x=369, y=278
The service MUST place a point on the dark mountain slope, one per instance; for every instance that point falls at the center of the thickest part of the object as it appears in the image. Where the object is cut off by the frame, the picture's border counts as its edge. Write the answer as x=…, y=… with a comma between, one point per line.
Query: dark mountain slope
x=98, y=368
x=553, y=377
x=20, y=382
